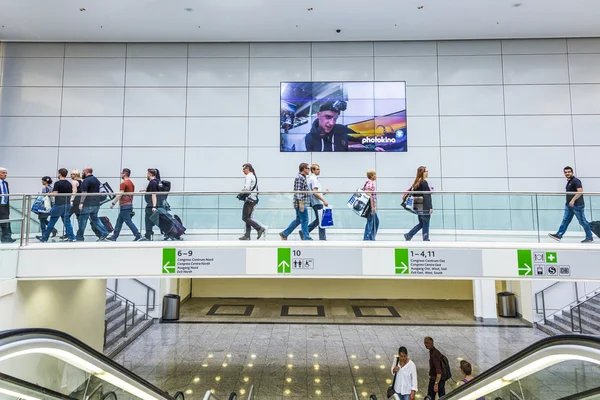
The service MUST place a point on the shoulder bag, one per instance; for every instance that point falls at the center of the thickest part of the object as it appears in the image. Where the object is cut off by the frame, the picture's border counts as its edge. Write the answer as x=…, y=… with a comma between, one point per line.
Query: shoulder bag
x=390, y=390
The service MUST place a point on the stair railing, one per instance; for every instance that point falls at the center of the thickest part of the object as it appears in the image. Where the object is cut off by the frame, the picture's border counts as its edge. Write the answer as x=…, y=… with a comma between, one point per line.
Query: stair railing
x=541, y=294
x=149, y=291
x=134, y=310
x=576, y=327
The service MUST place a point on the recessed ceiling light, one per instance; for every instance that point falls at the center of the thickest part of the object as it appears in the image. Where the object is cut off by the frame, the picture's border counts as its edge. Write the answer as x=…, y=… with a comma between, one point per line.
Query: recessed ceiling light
x=82, y=9
x=188, y=9
x=517, y=5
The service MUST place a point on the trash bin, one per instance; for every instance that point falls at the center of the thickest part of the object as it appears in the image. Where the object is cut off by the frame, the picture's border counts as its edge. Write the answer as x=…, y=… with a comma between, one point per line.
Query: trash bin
x=507, y=306
x=170, y=308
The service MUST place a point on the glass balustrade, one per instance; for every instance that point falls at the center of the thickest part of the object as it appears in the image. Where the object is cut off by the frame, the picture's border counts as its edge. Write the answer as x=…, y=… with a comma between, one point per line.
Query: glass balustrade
x=456, y=216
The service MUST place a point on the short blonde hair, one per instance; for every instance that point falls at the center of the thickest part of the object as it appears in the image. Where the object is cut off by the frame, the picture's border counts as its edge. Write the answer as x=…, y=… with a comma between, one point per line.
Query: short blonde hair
x=313, y=167
x=76, y=173
x=370, y=173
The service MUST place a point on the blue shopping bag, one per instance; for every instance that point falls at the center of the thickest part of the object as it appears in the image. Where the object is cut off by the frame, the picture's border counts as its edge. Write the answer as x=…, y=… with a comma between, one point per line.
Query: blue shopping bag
x=325, y=218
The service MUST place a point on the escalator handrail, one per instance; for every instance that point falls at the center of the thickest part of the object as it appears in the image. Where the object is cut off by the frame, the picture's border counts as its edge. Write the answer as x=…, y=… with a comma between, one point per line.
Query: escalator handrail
x=66, y=338
x=34, y=388
x=107, y=395
x=581, y=340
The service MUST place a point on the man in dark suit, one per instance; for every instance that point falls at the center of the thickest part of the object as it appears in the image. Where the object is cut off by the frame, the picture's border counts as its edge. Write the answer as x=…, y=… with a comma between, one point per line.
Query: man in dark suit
x=5, y=208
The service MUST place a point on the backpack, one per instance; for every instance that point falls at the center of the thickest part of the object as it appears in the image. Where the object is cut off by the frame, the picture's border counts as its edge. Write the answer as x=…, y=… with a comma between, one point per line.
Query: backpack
x=446, y=373
x=163, y=186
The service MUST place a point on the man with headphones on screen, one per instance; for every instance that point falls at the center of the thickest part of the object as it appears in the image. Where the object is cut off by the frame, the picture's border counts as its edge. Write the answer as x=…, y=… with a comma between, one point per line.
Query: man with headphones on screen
x=325, y=134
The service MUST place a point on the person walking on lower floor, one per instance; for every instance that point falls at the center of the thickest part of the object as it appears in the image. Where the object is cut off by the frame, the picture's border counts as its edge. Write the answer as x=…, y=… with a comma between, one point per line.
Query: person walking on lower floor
x=405, y=382
x=5, y=208
x=90, y=205
x=125, y=207
x=436, y=384
x=372, y=225
x=575, y=206
x=250, y=197
x=318, y=200
x=301, y=204
x=424, y=207
x=61, y=208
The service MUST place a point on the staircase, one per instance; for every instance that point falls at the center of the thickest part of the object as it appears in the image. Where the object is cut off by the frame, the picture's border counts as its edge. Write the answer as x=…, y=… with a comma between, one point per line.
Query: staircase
x=123, y=323
x=560, y=323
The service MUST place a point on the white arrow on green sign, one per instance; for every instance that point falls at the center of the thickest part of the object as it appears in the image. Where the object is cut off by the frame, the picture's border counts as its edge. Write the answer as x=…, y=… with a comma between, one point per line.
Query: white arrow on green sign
x=284, y=260
x=524, y=262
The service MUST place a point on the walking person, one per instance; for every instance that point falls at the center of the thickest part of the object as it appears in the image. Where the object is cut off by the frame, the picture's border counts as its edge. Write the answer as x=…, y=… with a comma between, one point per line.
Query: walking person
x=61, y=208
x=125, y=207
x=369, y=188
x=574, y=206
x=317, y=199
x=43, y=217
x=405, y=382
x=301, y=202
x=76, y=182
x=153, y=201
x=436, y=384
x=5, y=208
x=250, y=197
x=423, y=213
x=90, y=205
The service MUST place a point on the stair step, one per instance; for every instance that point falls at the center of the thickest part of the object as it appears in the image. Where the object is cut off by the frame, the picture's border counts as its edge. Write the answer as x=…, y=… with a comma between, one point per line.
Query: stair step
x=115, y=331
x=590, y=305
x=549, y=330
x=116, y=313
x=117, y=324
x=563, y=327
x=112, y=305
x=590, y=321
x=112, y=349
x=109, y=297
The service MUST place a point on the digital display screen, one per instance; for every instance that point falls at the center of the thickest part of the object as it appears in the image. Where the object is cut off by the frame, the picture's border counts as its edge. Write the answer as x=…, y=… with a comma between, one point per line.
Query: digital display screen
x=343, y=116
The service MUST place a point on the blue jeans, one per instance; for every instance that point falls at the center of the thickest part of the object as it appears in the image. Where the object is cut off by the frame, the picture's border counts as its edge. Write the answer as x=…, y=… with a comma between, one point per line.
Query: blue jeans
x=56, y=213
x=302, y=220
x=577, y=211
x=423, y=224
x=371, y=227
x=90, y=212
x=405, y=396
x=315, y=223
x=125, y=216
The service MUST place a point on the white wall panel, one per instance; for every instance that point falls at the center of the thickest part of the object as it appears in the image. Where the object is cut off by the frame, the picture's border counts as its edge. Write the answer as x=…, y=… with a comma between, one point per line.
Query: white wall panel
x=262, y=130
x=18, y=49
x=476, y=184
x=155, y=102
x=273, y=71
x=151, y=131
x=423, y=131
x=95, y=72
x=422, y=101
x=219, y=50
x=534, y=46
x=169, y=160
x=538, y=162
x=218, y=102
x=106, y=161
x=587, y=160
x=480, y=162
x=29, y=161
x=156, y=50
x=218, y=72
x=470, y=70
x=472, y=131
x=30, y=101
x=218, y=131
x=342, y=49
x=405, y=49
x=404, y=164
x=264, y=102
x=584, y=68
x=340, y=165
x=96, y=50
x=214, y=162
x=469, y=47
x=101, y=102
x=278, y=50
x=413, y=70
x=156, y=72
x=32, y=72
x=537, y=130
x=585, y=99
x=584, y=45
x=25, y=131
x=554, y=184
x=471, y=100
x=91, y=131
x=270, y=162
x=537, y=99
x=585, y=129
x=342, y=69
x=537, y=69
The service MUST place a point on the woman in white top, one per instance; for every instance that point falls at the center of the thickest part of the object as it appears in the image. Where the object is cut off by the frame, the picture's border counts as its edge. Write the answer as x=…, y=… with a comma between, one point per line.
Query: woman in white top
x=405, y=383
x=250, y=198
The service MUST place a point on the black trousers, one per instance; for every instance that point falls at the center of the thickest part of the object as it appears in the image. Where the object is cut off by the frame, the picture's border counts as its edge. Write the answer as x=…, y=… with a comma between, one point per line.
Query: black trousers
x=441, y=388
x=247, y=218
x=5, y=226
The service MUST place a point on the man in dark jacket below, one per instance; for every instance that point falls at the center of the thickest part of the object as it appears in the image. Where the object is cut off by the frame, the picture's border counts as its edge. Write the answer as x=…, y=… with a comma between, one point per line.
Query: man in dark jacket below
x=436, y=384
x=90, y=205
x=5, y=208
x=325, y=134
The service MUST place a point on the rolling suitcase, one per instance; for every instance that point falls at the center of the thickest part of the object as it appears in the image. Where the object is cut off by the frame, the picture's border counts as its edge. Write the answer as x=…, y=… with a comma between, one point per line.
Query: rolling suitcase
x=106, y=223
x=595, y=227
x=171, y=226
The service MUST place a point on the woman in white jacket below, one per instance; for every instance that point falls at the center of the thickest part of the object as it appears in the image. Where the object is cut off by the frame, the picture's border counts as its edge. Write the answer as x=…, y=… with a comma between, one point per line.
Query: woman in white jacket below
x=405, y=384
x=251, y=190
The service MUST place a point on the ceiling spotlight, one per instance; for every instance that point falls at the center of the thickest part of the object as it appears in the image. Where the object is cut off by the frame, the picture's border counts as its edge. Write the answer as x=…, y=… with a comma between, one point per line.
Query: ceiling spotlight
x=517, y=5
x=419, y=7
x=82, y=9
x=309, y=9
x=188, y=9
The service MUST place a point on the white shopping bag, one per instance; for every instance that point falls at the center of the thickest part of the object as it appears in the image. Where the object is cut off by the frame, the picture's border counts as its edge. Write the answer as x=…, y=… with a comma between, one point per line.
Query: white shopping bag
x=359, y=203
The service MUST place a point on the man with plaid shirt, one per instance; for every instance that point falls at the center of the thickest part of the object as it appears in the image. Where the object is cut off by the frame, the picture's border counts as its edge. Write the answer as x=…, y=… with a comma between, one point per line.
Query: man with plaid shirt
x=301, y=205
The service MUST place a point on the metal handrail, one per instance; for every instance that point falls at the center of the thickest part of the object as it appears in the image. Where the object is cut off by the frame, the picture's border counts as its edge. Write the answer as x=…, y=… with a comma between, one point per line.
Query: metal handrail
x=178, y=395
x=355, y=392
x=97, y=388
x=133, y=312
x=541, y=292
x=578, y=306
x=109, y=394
x=208, y=395
x=250, y=392
x=148, y=291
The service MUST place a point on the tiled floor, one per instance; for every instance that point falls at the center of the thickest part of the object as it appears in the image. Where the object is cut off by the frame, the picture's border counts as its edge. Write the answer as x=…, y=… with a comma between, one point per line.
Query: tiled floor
x=337, y=311
x=295, y=361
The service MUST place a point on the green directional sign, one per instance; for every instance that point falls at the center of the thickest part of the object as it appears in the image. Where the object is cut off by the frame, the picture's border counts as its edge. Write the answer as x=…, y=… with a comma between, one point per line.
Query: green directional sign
x=525, y=262
x=401, y=262
x=551, y=257
x=284, y=260
x=169, y=261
